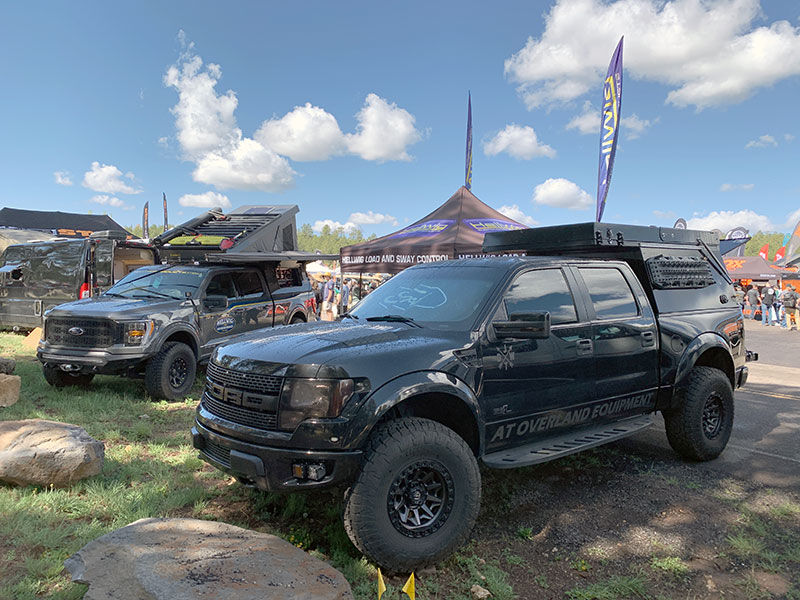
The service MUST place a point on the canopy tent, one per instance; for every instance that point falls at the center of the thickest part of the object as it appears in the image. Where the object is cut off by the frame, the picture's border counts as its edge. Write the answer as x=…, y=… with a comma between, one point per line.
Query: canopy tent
x=454, y=230
x=754, y=267
x=61, y=224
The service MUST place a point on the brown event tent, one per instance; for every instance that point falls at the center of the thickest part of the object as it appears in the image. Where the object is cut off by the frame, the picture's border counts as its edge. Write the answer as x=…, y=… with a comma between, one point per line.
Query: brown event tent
x=754, y=267
x=454, y=230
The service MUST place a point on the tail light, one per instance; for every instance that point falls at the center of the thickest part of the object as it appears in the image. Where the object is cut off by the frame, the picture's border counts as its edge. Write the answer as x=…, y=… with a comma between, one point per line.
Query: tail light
x=84, y=292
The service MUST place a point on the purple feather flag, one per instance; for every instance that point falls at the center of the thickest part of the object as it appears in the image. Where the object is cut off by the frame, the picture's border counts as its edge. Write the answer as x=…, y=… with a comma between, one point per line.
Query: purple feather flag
x=468, y=167
x=609, y=127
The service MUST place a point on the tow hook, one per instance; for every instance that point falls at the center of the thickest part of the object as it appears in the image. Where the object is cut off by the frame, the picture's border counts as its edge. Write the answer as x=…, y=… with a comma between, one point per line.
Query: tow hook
x=69, y=368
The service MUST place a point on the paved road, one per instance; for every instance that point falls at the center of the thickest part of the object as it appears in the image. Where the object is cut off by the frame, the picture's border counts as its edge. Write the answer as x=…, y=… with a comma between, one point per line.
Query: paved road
x=765, y=444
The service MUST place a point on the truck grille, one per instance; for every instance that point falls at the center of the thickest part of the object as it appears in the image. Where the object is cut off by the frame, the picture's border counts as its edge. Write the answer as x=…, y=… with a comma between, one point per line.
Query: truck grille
x=251, y=382
x=96, y=333
x=244, y=416
x=221, y=454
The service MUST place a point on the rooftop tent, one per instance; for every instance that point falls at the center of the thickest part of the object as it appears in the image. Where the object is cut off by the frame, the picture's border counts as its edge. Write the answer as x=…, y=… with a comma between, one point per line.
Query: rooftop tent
x=754, y=267
x=58, y=223
x=454, y=230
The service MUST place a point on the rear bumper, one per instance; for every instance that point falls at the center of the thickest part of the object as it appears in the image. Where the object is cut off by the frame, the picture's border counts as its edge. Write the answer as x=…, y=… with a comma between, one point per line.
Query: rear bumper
x=269, y=468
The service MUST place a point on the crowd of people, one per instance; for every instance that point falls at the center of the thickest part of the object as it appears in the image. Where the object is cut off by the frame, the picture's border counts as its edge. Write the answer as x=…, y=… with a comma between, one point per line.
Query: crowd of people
x=778, y=307
x=334, y=298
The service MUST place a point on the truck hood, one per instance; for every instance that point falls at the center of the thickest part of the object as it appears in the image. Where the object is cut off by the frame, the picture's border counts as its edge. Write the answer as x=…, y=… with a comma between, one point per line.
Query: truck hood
x=110, y=307
x=339, y=349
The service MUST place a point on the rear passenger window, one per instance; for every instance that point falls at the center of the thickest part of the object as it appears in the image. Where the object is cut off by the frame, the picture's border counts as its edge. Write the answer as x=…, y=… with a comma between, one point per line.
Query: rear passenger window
x=248, y=283
x=610, y=293
x=541, y=291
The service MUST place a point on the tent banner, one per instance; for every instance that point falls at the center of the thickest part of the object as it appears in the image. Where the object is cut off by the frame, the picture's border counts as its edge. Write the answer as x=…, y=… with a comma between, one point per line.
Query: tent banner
x=609, y=128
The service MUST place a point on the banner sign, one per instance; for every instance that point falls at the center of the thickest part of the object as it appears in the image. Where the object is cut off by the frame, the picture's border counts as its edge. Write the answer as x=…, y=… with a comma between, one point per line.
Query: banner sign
x=146, y=221
x=166, y=226
x=487, y=225
x=425, y=228
x=609, y=128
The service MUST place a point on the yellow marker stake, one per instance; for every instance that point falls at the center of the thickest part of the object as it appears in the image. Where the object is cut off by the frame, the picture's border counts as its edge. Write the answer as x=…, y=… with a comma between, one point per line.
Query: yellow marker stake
x=408, y=588
x=381, y=585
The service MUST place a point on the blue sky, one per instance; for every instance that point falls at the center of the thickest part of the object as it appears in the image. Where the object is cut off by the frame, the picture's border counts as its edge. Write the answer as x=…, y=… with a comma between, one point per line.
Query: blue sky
x=356, y=111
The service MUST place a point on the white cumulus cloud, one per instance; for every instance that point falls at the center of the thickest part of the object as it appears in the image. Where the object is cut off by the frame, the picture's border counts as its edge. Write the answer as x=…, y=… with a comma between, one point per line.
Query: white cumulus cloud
x=107, y=179
x=372, y=218
x=514, y=212
x=725, y=220
x=306, y=133
x=634, y=127
x=708, y=52
x=384, y=131
x=587, y=122
x=107, y=200
x=732, y=187
x=762, y=142
x=318, y=226
x=63, y=177
x=562, y=193
x=209, y=136
x=205, y=200
x=519, y=142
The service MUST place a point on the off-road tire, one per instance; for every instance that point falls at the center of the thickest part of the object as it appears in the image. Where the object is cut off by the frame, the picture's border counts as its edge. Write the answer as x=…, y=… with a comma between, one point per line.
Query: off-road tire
x=371, y=518
x=58, y=378
x=162, y=376
x=699, y=427
x=297, y=319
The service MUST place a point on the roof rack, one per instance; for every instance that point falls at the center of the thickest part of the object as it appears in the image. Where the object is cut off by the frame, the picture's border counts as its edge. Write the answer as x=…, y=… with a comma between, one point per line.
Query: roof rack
x=593, y=237
x=247, y=229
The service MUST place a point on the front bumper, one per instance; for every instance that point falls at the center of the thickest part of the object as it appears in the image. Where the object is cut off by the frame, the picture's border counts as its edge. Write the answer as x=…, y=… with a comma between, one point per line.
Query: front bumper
x=269, y=468
x=90, y=361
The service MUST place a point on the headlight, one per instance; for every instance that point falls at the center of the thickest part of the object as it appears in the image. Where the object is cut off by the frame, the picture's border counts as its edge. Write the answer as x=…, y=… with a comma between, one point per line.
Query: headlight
x=136, y=332
x=312, y=398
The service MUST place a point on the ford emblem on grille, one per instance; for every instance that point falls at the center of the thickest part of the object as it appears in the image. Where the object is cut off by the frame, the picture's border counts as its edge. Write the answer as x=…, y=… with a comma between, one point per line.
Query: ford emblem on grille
x=75, y=331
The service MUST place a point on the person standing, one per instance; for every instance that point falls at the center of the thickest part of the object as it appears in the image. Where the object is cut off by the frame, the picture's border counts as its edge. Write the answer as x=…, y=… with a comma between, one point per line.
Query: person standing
x=791, y=304
x=328, y=298
x=767, y=301
x=752, y=300
x=345, y=295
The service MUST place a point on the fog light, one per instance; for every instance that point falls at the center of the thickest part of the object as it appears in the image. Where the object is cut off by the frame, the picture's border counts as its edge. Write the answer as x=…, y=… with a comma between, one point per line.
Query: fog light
x=316, y=472
x=299, y=471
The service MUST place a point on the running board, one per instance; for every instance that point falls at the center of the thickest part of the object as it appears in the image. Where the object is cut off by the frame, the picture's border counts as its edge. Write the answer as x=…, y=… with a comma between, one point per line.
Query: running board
x=558, y=447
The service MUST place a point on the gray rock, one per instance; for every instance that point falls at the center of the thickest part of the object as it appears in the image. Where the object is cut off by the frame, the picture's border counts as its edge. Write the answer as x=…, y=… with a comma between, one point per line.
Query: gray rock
x=189, y=559
x=10, y=386
x=7, y=365
x=40, y=452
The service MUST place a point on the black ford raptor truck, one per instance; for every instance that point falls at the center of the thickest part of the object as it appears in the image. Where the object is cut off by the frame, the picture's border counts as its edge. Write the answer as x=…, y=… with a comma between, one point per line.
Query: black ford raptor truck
x=576, y=341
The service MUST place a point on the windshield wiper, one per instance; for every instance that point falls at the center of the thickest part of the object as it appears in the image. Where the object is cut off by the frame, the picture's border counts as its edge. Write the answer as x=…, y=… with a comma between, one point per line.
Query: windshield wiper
x=395, y=319
x=152, y=294
x=114, y=295
x=347, y=315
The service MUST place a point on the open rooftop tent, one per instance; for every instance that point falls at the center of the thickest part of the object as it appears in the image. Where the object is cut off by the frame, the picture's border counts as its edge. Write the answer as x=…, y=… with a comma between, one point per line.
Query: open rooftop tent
x=454, y=230
x=57, y=223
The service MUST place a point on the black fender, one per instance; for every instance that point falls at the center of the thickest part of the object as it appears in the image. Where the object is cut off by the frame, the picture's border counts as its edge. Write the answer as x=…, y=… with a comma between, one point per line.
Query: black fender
x=298, y=311
x=696, y=348
x=402, y=388
x=172, y=329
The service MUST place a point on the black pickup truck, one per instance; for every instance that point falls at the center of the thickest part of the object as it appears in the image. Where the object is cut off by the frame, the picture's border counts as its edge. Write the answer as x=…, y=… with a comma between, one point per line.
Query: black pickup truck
x=510, y=361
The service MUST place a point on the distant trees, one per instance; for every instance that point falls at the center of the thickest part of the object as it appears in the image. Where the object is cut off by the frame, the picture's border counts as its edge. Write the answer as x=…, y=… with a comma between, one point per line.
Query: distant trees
x=136, y=230
x=328, y=241
x=757, y=241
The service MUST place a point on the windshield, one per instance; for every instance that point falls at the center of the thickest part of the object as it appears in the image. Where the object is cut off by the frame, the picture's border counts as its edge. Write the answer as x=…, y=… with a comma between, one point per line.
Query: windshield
x=440, y=297
x=158, y=282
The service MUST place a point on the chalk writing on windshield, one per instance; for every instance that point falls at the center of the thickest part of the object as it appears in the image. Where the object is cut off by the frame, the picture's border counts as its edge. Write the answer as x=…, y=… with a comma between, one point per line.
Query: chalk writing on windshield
x=419, y=296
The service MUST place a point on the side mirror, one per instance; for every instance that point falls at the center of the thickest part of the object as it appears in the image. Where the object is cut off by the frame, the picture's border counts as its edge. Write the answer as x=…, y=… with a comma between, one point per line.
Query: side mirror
x=524, y=325
x=214, y=303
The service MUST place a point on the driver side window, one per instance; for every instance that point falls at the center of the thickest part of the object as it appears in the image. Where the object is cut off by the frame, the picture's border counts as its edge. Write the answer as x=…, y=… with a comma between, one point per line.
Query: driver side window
x=221, y=285
x=545, y=290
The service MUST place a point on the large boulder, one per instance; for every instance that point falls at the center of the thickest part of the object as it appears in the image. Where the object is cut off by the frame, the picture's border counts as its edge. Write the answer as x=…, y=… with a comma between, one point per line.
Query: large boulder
x=10, y=386
x=189, y=559
x=40, y=452
x=7, y=365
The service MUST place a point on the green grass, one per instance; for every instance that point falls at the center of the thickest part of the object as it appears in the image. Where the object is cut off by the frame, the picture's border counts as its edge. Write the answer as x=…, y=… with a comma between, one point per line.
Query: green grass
x=615, y=588
x=670, y=564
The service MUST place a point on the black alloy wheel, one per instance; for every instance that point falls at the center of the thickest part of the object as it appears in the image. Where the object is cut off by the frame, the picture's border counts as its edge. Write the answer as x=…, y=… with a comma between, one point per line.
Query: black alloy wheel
x=421, y=498
x=713, y=414
x=177, y=372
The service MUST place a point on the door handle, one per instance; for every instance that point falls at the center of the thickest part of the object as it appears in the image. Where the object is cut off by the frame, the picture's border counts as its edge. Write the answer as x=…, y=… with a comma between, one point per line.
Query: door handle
x=648, y=339
x=584, y=347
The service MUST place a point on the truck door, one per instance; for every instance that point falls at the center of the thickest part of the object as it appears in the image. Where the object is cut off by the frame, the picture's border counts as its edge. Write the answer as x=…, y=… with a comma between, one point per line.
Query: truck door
x=528, y=384
x=251, y=309
x=625, y=341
